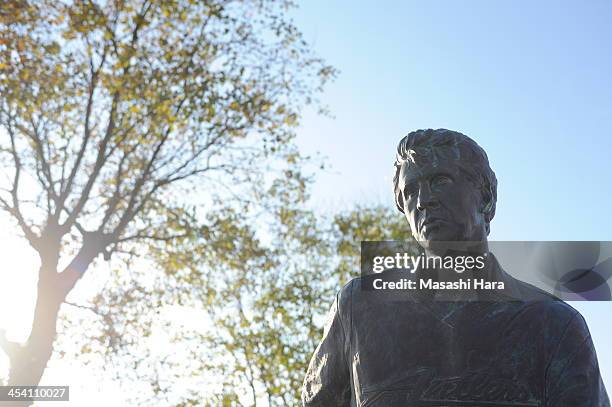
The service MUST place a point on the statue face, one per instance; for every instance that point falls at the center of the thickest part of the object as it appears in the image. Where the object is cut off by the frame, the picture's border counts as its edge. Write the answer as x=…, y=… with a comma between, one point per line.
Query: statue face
x=441, y=203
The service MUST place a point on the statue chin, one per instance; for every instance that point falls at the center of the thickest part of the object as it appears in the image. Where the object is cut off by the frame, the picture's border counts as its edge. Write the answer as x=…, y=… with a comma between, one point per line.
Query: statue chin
x=438, y=233
x=439, y=247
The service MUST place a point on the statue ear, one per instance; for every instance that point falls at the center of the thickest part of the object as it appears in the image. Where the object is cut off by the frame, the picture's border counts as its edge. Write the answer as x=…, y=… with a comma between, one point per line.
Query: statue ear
x=487, y=202
x=487, y=207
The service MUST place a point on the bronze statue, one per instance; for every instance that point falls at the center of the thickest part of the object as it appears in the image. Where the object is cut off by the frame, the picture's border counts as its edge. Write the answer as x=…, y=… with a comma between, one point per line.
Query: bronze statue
x=520, y=348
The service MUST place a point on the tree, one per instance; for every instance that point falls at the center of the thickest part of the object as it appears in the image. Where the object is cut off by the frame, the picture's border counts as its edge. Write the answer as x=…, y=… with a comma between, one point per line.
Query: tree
x=113, y=111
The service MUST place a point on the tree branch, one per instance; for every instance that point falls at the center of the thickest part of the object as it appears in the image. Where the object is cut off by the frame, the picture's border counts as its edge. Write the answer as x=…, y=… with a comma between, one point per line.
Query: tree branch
x=14, y=209
x=99, y=163
x=88, y=308
x=86, y=130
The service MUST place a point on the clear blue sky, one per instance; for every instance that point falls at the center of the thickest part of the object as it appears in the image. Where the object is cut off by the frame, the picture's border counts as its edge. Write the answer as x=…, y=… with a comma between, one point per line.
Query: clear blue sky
x=530, y=81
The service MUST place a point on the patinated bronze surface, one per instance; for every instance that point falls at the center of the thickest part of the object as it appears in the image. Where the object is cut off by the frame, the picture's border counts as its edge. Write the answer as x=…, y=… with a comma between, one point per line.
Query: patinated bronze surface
x=501, y=352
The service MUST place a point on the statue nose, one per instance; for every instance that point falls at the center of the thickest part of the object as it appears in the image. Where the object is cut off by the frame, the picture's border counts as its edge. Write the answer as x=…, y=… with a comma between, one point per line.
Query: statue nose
x=426, y=198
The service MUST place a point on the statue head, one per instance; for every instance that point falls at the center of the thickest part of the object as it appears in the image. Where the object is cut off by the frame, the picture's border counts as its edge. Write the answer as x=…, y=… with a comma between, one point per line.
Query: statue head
x=444, y=186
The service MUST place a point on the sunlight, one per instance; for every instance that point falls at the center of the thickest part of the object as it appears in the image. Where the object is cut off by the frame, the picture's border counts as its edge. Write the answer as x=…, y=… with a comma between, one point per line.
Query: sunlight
x=18, y=279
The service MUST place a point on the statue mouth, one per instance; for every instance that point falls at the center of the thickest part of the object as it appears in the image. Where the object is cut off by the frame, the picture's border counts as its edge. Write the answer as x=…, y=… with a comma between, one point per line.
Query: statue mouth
x=431, y=221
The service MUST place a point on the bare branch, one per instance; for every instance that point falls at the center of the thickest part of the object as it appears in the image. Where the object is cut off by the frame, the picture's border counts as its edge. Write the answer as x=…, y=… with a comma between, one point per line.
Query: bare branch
x=14, y=209
x=99, y=163
x=86, y=130
x=143, y=236
x=116, y=197
x=85, y=307
x=39, y=145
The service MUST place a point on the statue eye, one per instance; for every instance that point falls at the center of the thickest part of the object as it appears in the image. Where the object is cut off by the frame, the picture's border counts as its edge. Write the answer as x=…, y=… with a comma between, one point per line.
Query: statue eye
x=440, y=180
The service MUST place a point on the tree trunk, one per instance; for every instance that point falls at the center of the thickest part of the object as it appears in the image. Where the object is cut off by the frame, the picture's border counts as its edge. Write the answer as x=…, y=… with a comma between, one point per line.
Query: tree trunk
x=28, y=362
